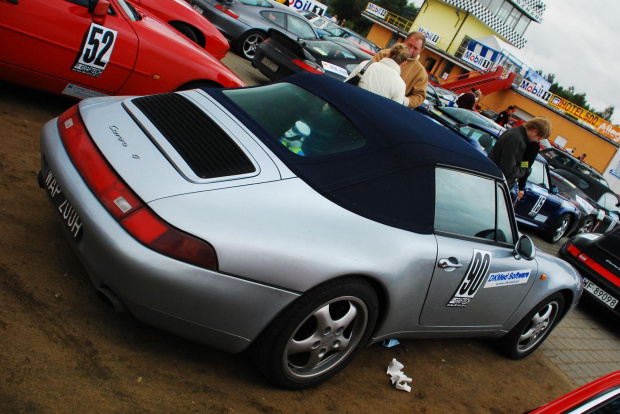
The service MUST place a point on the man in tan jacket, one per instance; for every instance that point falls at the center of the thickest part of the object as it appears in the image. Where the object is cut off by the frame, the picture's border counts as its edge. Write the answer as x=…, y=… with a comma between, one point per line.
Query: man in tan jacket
x=413, y=73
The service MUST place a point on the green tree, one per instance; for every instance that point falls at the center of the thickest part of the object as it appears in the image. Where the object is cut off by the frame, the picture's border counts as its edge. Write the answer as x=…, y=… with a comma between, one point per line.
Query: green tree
x=607, y=113
x=348, y=9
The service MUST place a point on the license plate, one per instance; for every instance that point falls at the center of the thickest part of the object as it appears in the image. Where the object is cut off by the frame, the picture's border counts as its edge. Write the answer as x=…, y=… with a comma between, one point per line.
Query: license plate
x=600, y=294
x=68, y=215
x=270, y=64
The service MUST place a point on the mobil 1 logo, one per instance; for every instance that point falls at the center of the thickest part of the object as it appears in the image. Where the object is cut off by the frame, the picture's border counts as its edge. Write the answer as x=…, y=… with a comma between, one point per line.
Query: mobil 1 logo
x=474, y=276
x=95, y=51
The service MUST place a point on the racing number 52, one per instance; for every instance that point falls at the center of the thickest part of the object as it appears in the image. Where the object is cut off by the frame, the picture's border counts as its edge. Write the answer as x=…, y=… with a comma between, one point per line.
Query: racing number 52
x=93, y=44
x=96, y=49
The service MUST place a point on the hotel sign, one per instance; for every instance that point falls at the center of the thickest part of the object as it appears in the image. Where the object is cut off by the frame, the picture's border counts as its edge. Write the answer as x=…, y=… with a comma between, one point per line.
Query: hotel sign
x=574, y=110
x=600, y=125
x=609, y=130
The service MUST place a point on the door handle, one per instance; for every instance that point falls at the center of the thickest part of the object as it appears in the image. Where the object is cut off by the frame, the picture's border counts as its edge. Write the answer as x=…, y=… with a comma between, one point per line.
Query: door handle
x=449, y=264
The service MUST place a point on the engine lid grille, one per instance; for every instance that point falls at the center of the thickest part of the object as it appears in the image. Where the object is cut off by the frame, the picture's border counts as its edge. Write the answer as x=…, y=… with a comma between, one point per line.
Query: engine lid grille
x=207, y=149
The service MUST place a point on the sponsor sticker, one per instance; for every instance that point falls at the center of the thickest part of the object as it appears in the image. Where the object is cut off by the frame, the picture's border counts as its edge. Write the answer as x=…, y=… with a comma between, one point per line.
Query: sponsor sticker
x=475, y=274
x=79, y=92
x=511, y=277
x=539, y=203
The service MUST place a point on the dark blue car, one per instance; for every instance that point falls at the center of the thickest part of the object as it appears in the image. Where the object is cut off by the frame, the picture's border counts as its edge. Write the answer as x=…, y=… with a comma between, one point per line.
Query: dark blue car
x=542, y=208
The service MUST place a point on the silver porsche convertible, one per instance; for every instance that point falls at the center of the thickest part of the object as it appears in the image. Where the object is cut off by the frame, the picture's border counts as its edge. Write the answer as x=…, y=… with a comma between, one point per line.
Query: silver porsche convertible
x=299, y=221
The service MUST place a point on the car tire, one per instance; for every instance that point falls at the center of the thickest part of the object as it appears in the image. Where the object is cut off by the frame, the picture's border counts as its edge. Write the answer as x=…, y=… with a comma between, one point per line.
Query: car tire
x=559, y=228
x=587, y=225
x=247, y=44
x=534, y=328
x=318, y=334
x=185, y=30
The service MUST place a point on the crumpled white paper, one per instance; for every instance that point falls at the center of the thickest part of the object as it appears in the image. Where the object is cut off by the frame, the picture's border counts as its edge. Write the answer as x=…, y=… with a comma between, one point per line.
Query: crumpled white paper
x=399, y=379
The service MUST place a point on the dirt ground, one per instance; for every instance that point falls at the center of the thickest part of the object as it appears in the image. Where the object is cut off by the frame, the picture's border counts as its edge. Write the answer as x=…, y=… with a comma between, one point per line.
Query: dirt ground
x=64, y=351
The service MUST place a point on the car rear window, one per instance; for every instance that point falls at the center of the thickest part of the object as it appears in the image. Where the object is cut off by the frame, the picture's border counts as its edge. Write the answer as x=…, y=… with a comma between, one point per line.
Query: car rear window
x=330, y=49
x=260, y=3
x=302, y=122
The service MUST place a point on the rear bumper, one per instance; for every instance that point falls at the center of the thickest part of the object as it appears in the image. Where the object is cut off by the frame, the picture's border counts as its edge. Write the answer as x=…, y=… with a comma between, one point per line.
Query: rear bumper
x=216, y=309
x=593, y=277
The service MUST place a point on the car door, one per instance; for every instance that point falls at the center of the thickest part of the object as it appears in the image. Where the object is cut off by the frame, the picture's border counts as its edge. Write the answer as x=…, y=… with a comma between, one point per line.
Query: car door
x=538, y=204
x=60, y=39
x=477, y=280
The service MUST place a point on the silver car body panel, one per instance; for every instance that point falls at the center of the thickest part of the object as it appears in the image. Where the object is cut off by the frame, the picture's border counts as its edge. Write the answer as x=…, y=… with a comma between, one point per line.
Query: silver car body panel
x=200, y=304
x=275, y=238
x=249, y=17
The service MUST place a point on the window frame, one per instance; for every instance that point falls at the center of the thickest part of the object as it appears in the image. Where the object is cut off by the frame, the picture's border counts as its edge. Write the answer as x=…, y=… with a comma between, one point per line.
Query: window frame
x=500, y=190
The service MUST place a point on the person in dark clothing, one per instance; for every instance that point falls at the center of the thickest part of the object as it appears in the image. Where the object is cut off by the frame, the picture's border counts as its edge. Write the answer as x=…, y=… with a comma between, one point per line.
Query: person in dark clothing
x=466, y=101
x=504, y=116
x=508, y=152
x=532, y=149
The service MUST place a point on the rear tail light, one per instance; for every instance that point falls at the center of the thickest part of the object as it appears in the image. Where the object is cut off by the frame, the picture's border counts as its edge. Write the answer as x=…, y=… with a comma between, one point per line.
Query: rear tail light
x=585, y=259
x=227, y=11
x=308, y=66
x=122, y=203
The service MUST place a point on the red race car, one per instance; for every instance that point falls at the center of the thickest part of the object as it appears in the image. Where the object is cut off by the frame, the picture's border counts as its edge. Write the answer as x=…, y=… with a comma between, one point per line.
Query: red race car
x=180, y=15
x=600, y=396
x=91, y=48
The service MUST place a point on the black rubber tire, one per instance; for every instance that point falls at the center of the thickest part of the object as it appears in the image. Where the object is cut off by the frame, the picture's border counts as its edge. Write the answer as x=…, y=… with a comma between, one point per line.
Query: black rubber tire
x=185, y=30
x=347, y=311
x=559, y=228
x=534, y=328
x=248, y=43
x=587, y=226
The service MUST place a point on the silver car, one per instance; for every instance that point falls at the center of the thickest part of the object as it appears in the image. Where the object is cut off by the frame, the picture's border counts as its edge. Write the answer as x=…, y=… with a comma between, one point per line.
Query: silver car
x=245, y=22
x=283, y=220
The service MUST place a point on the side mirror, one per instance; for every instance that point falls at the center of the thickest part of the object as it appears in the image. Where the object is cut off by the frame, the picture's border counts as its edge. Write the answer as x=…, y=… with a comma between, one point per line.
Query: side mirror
x=525, y=248
x=98, y=8
x=554, y=189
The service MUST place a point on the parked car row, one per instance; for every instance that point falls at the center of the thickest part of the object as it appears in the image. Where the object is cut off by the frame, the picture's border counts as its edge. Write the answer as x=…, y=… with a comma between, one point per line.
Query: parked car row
x=245, y=23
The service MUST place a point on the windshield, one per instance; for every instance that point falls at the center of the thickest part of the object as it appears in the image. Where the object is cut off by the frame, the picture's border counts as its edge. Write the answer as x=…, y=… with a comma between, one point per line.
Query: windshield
x=470, y=117
x=539, y=175
x=329, y=49
x=129, y=10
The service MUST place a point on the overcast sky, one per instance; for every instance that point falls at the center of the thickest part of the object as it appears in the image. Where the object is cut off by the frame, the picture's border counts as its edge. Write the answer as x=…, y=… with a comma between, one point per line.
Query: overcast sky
x=578, y=42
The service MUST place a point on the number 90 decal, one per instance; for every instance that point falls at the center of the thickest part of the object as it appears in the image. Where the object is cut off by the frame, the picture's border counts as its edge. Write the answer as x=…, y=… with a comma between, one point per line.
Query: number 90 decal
x=474, y=276
x=95, y=51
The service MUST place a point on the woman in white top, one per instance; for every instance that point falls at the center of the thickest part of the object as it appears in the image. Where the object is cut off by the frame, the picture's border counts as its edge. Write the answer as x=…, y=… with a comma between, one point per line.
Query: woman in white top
x=383, y=77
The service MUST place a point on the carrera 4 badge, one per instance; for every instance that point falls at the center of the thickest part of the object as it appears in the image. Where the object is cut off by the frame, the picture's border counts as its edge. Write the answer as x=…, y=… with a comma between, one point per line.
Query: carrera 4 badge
x=474, y=276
